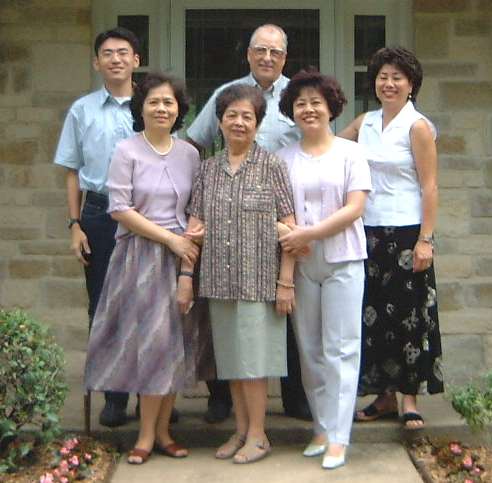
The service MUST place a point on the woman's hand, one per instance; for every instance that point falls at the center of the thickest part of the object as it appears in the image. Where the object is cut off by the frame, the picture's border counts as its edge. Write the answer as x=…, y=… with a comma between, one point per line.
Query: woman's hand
x=184, y=294
x=296, y=241
x=285, y=300
x=196, y=234
x=422, y=256
x=184, y=248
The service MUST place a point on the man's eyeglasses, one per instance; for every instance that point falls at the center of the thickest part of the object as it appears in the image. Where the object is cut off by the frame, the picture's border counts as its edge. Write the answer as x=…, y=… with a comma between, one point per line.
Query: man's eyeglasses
x=261, y=51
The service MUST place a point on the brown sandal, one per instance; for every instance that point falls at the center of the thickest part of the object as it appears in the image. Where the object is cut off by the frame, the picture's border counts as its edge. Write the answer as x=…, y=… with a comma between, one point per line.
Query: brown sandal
x=230, y=447
x=172, y=450
x=252, y=451
x=138, y=453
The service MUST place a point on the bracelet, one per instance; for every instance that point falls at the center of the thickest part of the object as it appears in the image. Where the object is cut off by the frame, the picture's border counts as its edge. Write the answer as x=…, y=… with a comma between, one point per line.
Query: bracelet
x=285, y=284
x=186, y=274
x=427, y=239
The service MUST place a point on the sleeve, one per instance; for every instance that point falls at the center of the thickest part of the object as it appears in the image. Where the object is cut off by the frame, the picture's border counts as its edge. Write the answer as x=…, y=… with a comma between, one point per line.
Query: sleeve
x=358, y=176
x=68, y=152
x=120, y=181
x=282, y=189
x=195, y=207
x=206, y=125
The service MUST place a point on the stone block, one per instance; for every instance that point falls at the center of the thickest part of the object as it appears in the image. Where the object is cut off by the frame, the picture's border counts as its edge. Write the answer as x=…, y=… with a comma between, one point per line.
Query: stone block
x=49, y=140
x=29, y=267
x=474, y=179
x=68, y=267
x=35, y=114
x=481, y=204
x=8, y=248
x=19, y=293
x=441, y=120
x=21, y=78
x=4, y=79
x=487, y=169
x=432, y=37
x=56, y=223
x=468, y=321
x=479, y=293
x=18, y=151
x=474, y=245
x=14, y=52
x=447, y=144
x=488, y=351
x=45, y=247
x=11, y=99
x=7, y=114
x=49, y=198
x=37, y=176
x=450, y=295
x=22, y=216
x=463, y=95
x=61, y=293
x=19, y=233
x=454, y=212
x=74, y=33
x=481, y=226
x=449, y=69
x=440, y=6
x=483, y=266
x=61, y=100
x=472, y=26
x=469, y=351
x=51, y=76
x=454, y=266
x=460, y=162
x=25, y=33
x=20, y=131
x=448, y=178
x=15, y=197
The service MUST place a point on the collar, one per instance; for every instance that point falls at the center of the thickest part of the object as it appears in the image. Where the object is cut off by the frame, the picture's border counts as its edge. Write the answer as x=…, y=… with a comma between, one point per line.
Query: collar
x=376, y=120
x=105, y=96
x=275, y=88
x=251, y=157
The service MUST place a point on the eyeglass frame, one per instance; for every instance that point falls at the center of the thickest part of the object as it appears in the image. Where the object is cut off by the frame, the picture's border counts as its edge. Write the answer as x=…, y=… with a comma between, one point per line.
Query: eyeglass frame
x=275, y=52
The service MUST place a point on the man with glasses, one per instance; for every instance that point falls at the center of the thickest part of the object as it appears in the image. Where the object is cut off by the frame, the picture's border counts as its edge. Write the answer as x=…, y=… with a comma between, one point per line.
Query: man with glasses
x=267, y=53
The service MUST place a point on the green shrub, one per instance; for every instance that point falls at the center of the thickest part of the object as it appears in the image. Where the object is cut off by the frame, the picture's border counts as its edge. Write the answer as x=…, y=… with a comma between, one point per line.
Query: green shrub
x=32, y=386
x=474, y=402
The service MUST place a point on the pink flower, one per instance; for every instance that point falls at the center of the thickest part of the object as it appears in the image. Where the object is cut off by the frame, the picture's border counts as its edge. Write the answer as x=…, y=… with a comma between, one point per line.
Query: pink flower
x=71, y=443
x=63, y=466
x=56, y=473
x=88, y=457
x=63, y=480
x=455, y=448
x=64, y=451
x=74, y=460
x=47, y=478
x=467, y=462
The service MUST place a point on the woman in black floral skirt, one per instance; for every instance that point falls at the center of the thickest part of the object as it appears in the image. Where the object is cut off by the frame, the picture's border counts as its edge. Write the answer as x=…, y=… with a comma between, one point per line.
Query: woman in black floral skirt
x=401, y=339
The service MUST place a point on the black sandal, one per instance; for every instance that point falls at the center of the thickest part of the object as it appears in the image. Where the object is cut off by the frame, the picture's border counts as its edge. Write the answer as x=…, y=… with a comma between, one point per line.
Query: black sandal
x=411, y=416
x=371, y=413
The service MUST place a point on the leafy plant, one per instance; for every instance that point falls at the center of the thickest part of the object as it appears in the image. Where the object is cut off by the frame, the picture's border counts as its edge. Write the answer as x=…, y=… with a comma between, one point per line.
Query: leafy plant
x=32, y=387
x=474, y=402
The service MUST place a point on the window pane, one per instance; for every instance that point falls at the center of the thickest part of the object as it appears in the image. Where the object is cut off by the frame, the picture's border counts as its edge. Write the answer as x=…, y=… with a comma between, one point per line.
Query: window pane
x=369, y=36
x=139, y=25
x=364, y=99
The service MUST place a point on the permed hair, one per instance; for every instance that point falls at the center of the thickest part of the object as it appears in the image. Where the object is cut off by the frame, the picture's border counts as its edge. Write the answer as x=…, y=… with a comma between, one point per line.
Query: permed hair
x=240, y=92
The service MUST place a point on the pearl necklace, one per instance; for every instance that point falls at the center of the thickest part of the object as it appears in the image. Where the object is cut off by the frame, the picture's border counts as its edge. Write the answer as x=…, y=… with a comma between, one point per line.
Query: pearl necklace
x=161, y=153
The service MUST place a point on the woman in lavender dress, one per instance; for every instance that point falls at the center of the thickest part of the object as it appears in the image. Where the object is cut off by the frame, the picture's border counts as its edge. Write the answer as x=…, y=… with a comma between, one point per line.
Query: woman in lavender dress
x=139, y=342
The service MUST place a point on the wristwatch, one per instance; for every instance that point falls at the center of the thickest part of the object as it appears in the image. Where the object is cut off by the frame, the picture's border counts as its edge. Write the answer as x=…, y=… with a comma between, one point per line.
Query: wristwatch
x=72, y=221
x=427, y=239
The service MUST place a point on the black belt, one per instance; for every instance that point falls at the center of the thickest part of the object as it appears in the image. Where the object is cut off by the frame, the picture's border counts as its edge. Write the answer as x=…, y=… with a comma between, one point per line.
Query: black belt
x=98, y=199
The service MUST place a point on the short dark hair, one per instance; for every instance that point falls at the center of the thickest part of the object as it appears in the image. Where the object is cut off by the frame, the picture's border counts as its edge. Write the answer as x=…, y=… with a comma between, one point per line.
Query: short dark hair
x=156, y=79
x=401, y=58
x=240, y=92
x=327, y=86
x=117, y=33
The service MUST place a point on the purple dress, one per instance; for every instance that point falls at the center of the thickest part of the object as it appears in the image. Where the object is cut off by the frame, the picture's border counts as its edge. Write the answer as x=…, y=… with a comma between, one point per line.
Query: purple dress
x=139, y=342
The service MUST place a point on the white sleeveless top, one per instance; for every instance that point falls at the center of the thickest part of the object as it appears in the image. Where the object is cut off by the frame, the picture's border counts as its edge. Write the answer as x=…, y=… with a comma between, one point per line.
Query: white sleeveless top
x=396, y=196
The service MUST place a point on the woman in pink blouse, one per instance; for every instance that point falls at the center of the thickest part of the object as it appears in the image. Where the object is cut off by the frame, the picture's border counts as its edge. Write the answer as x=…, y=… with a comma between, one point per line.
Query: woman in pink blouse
x=330, y=180
x=139, y=342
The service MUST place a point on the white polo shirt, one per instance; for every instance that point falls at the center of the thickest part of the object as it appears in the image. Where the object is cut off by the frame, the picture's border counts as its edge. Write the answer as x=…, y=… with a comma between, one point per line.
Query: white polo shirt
x=396, y=196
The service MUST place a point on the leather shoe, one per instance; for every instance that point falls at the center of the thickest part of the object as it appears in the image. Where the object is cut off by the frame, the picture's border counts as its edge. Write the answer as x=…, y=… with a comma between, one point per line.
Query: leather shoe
x=313, y=449
x=112, y=415
x=333, y=462
x=299, y=411
x=217, y=412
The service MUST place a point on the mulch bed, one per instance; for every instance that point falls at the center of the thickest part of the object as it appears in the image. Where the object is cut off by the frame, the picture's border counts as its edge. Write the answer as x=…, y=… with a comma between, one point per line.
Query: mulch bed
x=454, y=462
x=103, y=461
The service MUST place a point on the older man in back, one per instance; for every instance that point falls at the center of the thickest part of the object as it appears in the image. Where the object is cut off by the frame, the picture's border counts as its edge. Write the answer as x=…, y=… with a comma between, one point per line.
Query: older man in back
x=267, y=53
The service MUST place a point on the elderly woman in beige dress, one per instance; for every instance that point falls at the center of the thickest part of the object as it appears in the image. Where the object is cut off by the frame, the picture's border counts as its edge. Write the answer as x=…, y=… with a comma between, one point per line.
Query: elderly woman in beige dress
x=238, y=197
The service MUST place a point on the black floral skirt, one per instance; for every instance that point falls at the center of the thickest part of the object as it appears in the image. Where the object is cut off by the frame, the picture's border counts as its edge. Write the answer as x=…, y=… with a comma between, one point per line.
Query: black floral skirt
x=401, y=343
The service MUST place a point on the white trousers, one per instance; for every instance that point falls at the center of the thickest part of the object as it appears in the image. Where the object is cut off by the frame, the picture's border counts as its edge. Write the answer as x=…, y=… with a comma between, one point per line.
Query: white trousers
x=327, y=323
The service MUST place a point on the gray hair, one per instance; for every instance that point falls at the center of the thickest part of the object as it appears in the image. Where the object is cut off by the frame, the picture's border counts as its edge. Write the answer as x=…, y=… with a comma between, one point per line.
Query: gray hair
x=269, y=26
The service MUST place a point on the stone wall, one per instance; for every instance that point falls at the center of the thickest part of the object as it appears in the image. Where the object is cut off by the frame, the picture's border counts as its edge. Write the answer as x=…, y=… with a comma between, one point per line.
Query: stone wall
x=453, y=39
x=45, y=52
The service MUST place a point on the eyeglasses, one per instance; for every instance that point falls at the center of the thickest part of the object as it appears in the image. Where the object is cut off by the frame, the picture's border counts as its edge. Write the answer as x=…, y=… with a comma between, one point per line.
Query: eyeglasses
x=261, y=51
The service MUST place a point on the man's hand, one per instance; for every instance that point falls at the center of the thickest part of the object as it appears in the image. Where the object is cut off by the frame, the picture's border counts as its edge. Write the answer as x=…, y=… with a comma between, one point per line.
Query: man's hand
x=79, y=244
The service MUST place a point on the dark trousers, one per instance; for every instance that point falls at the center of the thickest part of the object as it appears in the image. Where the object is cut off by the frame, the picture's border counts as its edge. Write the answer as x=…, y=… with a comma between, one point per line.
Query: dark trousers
x=292, y=391
x=100, y=229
